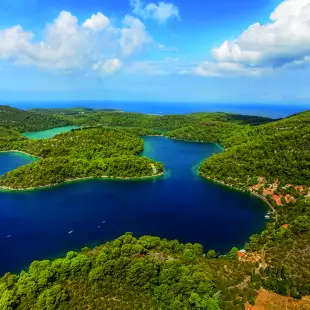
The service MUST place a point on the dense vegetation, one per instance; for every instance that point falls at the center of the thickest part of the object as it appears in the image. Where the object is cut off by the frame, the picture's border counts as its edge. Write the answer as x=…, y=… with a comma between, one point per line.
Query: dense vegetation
x=286, y=250
x=273, y=160
x=130, y=273
x=89, y=117
x=29, y=120
x=215, y=132
x=94, y=152
x=8, y=135
x=278, y=150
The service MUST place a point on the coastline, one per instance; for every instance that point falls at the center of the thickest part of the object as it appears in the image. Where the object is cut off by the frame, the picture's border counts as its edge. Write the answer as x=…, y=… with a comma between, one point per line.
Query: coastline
x=245, y=191
x=197, y=141
x=10, y=189
x=21, y=153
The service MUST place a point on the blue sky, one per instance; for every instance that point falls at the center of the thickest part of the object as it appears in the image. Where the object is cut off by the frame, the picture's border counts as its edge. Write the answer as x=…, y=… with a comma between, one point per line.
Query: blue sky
x=183, y=50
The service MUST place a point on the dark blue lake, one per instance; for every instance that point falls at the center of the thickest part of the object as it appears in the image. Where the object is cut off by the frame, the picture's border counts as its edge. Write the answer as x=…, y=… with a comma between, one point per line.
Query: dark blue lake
x=180, y=205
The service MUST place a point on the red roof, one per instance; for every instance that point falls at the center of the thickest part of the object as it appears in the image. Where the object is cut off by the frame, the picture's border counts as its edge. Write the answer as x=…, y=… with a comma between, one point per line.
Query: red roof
x=299, y=188
x=277, y=199
x=288, y=198
x=267, y=192
x=241, y=254
x=285, y=226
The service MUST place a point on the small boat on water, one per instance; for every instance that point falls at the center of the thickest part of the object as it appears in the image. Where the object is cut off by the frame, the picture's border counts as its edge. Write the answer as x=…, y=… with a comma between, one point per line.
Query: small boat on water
x=103, y=222
x=99, y=226
x=70, y=232
x=267, y=217
x=9, y=236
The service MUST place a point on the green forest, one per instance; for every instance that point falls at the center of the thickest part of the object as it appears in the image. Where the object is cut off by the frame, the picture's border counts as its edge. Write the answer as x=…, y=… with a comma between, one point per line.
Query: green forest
x=278, y=150
x=89, y=117
x=274, y=158
x=269, y=158
x=130, y=273
x=24, y=121
x=87, y=153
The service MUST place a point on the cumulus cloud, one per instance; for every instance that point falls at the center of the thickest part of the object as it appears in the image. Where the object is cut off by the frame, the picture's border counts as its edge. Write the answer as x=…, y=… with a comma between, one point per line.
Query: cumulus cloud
x=283, y=42
x=61, y=48
x=69, y=46
x=97, y=22
x=133, y=35
x=160, y=12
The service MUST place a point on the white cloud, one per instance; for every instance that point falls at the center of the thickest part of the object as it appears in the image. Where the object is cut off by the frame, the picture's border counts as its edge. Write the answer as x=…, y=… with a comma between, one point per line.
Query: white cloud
x=109, y=66
x=97, y=22
x=160, y=12
x=61, y=48
x=284, y=41
x=226, y=68
x=133, y=35
x=69, y=46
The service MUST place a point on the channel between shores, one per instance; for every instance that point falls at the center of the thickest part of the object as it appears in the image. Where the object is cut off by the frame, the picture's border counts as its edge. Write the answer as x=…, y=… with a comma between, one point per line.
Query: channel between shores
x=4, y=188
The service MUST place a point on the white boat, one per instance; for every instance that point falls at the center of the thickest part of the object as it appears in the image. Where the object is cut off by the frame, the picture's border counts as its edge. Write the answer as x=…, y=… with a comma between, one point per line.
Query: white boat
x=9, y=236
x=70, y=232
x=267, y=217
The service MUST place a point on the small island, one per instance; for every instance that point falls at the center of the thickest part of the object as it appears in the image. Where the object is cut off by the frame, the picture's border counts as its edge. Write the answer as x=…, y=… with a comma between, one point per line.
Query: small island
x=77, y=155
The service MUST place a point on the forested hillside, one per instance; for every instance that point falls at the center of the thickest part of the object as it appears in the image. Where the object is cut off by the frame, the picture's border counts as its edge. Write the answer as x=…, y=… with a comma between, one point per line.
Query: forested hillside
x=273, y=161
x=278, y=150
x=94, y=152
x=130, y=273
x=211, y=132
x=24, y=121
x=89, y=117
x=8, y=135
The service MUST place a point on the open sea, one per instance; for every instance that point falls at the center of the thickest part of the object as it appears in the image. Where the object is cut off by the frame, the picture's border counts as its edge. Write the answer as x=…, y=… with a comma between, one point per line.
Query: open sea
x=260, y=109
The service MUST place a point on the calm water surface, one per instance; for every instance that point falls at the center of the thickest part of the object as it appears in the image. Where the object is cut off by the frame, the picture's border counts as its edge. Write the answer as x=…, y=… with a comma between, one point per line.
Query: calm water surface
x=48, y=133
x=12, y=160
x=263, y=109
x=179, y=205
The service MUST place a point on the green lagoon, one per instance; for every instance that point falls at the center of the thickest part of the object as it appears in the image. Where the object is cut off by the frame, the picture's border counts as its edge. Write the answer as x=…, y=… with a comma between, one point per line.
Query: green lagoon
x=48, y=133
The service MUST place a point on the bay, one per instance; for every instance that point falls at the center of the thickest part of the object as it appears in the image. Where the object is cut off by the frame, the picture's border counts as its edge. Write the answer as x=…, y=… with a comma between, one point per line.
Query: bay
x=180, y=205
x=12, y=160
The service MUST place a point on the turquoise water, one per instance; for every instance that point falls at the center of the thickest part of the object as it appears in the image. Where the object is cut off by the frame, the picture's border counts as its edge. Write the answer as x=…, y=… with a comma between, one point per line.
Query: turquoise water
x=48, y=133
x=180, y=205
